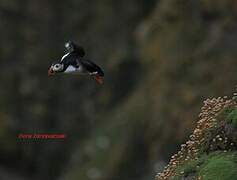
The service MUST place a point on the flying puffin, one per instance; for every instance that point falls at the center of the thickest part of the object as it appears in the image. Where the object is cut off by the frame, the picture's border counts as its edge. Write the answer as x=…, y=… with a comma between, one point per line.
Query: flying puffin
x=73, y=62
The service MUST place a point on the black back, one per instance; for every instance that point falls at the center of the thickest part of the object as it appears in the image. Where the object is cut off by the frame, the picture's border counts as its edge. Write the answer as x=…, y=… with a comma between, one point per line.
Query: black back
x=75, y=60
x=92, y=67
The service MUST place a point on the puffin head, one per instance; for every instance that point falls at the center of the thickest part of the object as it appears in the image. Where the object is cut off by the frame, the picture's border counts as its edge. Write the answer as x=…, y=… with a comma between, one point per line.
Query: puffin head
x=54, y=68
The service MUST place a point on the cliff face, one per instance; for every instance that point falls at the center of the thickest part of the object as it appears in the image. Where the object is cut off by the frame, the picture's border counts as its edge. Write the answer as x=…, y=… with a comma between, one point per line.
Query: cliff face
x=211, y=151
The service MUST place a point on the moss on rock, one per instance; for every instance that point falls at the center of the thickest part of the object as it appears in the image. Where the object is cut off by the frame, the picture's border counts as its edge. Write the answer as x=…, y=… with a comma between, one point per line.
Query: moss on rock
x=213, y=166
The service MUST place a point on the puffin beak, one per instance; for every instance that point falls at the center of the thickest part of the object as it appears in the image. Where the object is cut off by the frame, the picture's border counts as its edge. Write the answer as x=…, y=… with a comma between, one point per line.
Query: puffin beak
x=50, y=72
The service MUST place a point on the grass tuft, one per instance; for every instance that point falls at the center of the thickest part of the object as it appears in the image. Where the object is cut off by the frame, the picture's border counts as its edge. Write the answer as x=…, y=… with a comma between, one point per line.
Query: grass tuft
x=214, y=166
x=221, y=166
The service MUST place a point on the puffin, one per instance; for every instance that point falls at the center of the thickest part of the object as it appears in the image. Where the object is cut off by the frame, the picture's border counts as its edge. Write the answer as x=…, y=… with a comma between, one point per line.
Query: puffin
x=73, y=62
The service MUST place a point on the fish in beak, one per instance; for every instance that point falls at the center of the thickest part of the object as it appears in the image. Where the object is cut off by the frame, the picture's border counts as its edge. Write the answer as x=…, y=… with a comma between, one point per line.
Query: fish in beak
x=51, y=71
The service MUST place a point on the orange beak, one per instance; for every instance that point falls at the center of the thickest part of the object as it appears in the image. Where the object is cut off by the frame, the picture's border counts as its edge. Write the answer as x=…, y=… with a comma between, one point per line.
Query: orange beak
x=50, y=72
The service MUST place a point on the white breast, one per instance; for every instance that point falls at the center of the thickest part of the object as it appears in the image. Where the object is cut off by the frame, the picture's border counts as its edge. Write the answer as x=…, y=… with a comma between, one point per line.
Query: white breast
x=72, y=69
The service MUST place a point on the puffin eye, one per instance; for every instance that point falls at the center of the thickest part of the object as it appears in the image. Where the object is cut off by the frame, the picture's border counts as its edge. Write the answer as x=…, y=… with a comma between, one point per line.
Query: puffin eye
x=57, y=66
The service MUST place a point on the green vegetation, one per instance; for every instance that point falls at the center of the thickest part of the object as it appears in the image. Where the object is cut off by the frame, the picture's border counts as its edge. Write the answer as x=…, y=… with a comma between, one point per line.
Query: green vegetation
x=232, y=116
x=214, y=166
x=188, y=169
x=219, y=166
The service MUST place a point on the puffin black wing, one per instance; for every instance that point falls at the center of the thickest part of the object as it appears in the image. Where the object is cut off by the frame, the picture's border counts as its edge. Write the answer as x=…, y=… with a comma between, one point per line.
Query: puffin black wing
x=73, y=47
x=92, y=67
x=70, y=59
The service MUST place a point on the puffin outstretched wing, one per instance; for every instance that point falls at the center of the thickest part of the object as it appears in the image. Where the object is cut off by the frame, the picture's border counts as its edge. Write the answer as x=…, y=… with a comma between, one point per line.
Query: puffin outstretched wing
x=73, y=47
x=92, y=67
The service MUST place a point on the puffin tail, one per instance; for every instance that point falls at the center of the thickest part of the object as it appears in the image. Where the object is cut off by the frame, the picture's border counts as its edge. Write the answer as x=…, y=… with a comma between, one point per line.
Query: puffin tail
x=99, y=79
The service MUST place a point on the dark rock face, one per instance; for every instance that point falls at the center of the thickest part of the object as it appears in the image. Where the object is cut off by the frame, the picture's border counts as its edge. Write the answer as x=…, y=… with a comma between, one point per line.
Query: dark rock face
x=231, y=132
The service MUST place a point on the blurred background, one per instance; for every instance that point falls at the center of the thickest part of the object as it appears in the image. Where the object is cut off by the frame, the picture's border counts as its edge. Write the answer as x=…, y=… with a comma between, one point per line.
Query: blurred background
x=161, y=59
